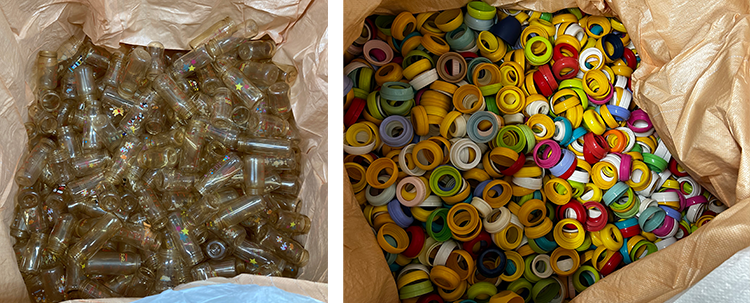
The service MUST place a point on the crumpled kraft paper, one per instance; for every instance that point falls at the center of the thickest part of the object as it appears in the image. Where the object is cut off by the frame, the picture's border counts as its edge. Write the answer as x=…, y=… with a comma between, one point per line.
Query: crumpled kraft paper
x=692, y=81
x=299, y=25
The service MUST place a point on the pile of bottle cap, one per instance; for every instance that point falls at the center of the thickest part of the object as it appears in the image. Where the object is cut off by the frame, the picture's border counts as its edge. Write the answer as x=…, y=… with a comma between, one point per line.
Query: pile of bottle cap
x=149, y=168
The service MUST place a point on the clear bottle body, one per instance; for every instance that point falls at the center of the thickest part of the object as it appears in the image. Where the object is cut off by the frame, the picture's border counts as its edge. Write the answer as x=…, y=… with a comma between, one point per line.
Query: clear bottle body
x=54, y=283
x=254, y=173
x=289, y=185
x=19, y=229
x=47, y=69
x=203, y=104
x=68, y=86
x=278, y=95
x=209, y=81
x=91, y=289
x=280, y=162
x=290, y=222
x=61, y=234
x=266, y=146
x=31, y=167
x=287, y=73
x=187, y=64
x=90, y=137
x=209, y=204
x=29, y=196
x=119, y=284
x=156, y=50
x=94, y=239
x=45, y=122
x=269, y=126
x=150, y=204
x=139, y=236
x=112, y=76
x=236, y=211
x=156, y=121
x=159, y=157
x=123, y=156
x=134, y=72
x=232, y=234
x=183, y=240
x=133, y=120
x=284, y=246
x=220, y=29
x=49, y=100
x=85, y=83
x=96, y=57
x=89, y=163
x=69, y=48
x=109, y=135
x=32, y=255
x=141, y=283
x=245, y=90
x=174, y=96
x=217, y=249
x=257, y=49
x=262, y=73
x=191, y=148
x=175, y=180
x=84, y=187
x=219, y=174
x=221, y=114
x=174, y=137
x=112, y=263
x=109, y=196
x=68, y=141
x=258, y=260
x=73, y=275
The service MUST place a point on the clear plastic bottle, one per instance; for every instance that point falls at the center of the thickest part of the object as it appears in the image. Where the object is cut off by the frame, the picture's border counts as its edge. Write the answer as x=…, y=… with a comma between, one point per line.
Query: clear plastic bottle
x=209, y=81
x=110, y=96
x=123, y=156
x=32, y=255
x=35, y=287
x=255, y=174
x=262, y=73
x=134, y=72
x=139, y=236
x=280, y=162
x=133, y=120
x=220, y=29
x=241, y=115
x=258, y=260
x=91, y=289
x=159, y=157
x=284, y=246
x=69, y=142
x=73, y=276
x=217, y=249
x=70, y=47
x=186, y=65
x=203, y=271
x=169, y=271
x=156, y=121
x=236, y=211
x=179, y=200
x=49, y=100
x=46, y=123
x=85, y=206
x=112, y=77
x=151, y=204
x=267, y=146
x=61, y=234
x=257, y=49
x=183, y=240
x=54, y=283
x=209, y=204
x=194, y=138
x=31, y=131
x=290, y=222
x=96, y=57
x=221, y=114
x=112, y=263
x=85, y=83
x=175, y=180
x=89, y=163
x=226, y=136
x=174, y=137
x=174, y=96
x=84, y=187
x=29, y=196
x=19, y=229
x=68, y=86
x=31, y=166
x=202, y=104
x=289, y=184
x=118, y=284
x=109, y=135
x=141, y=283
x=156, y=49
x=245, y=90
x=288, y=73
x=109, y=196
x=90, y=243
x=218, y=175
x=269, y=126
x=232, y=234
x=278, y=95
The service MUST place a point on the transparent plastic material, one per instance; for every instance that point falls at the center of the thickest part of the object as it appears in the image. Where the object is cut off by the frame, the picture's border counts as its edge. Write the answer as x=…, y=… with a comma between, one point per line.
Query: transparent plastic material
x=112, y=263
x=141, y=283
x=156, y=50
x=243, y=88
x=61, y=234
x=217, y=249
x=256, y=49
x=94, y=239
x=50, y=100
x=112, y=77
x=236, y=211
x=218, y=30
x=54, y=283
x=133, y=73
x=32, y=255
x=173, y=96
x=284, y=246
x=208, y=80
x=184, y=242
x=187, y=64
x=278, y=95
x=219, y=174
x=91, y=289
x=221, y=113
x=262, y=73
x=207, y=206
x=31, y=166
x=138, y=236
x=47, y=69
x=290, y=222
x=257, y=260
x=90, y=162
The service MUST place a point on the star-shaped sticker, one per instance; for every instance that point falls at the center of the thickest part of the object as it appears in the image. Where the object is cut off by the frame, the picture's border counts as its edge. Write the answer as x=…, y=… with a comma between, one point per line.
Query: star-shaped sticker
x=187, y=67
x=191, y=68
x=185, y=231
x=253, y=261
x=238, y=86
x=117, y=111
x=293, y=224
